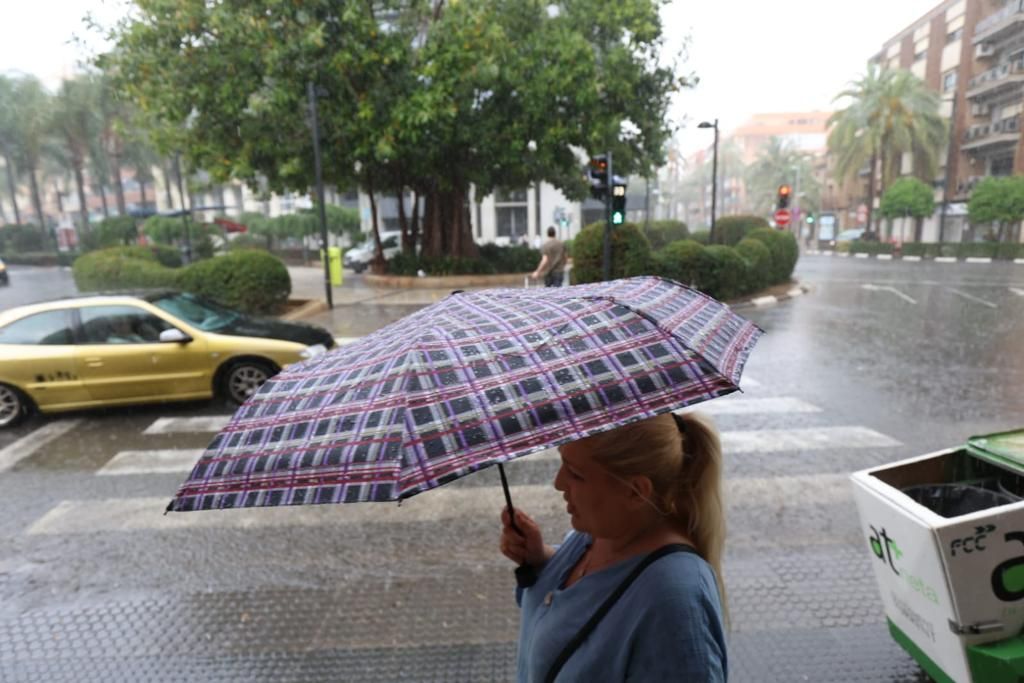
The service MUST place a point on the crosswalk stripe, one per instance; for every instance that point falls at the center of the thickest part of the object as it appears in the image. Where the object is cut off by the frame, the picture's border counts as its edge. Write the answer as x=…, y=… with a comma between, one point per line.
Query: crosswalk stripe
x=13, y=453
x=737, y=405
x=171, y=425
x=147, y=514
x=152, y=462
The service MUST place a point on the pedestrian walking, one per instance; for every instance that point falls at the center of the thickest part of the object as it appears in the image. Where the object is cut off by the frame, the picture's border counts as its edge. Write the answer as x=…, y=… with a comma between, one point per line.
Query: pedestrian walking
x=635, y=591
x=552, y=261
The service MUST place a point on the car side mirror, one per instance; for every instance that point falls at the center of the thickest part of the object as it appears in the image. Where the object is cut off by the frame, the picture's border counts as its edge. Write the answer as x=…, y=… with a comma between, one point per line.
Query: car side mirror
x=174, y=335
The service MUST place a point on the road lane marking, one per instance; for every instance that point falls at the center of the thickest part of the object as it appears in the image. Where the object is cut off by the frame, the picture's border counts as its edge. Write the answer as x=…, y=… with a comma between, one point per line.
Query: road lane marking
x=791, y=440
x=1017, y=291
x=152, y=462
x=971, y=297
x=879, y=288
x=33, y=441
x=736, y=404
x=173, y=425
x=147, y=514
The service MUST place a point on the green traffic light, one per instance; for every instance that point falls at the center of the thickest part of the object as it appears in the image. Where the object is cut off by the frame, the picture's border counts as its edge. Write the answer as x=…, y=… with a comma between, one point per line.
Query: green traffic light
x=617, y=218
x=810, y=219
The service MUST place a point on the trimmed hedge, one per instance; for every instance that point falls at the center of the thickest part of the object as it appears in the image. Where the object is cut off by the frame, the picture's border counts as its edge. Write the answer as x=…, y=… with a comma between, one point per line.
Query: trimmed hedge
x=631, y=253
x=701, y=236
x=759, y=263
x=250, y=280
x=680, y=261
x=253, y=281
x=722, y=272
x=871, y=248
x=494, y=258
x=39, y=258
x=1006, y=251
x=662, y=233
x=730, y=230
x=783, y=248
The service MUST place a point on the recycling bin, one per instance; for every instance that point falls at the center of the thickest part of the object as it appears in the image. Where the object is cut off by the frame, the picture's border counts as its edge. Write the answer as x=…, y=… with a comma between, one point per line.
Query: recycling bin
x=945, y=532
x=334, y=259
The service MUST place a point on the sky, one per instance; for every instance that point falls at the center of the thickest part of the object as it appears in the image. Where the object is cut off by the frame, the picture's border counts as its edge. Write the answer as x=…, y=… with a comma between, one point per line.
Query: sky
x=751, y=56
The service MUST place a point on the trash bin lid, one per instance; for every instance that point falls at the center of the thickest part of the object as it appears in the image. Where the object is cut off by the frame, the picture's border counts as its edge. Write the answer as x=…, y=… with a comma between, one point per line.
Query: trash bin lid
x=1003, y=448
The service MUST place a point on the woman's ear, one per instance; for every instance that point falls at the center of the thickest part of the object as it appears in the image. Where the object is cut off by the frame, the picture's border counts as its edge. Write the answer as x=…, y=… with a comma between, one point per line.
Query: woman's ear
x=642, y=486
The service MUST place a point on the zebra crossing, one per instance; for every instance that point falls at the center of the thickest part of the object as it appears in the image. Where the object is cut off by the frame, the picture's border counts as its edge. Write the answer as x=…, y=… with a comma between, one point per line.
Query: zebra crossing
x=128, y=513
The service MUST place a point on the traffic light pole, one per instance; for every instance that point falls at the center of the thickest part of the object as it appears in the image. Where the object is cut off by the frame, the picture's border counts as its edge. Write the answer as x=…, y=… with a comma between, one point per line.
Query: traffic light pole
x=315, y=125
x=607, y=259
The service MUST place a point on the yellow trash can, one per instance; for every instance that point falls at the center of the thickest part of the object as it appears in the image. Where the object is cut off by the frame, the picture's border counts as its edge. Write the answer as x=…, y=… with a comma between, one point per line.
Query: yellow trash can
x=334, y=256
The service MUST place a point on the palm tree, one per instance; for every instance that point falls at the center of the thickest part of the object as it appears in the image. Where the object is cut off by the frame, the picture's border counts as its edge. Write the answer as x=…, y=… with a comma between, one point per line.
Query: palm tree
x=780, y=163
x=890, y=112
x=8, y=140
x=30, y=104
x=74, y=122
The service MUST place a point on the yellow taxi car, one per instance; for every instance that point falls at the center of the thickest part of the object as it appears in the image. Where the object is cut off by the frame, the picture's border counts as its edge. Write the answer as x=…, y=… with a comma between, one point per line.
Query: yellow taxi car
x=113, y=350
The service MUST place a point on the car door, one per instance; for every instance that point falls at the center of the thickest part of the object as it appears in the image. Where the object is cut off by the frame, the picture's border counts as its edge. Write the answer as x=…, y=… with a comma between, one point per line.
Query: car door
x=120, y=357
x=37, y=355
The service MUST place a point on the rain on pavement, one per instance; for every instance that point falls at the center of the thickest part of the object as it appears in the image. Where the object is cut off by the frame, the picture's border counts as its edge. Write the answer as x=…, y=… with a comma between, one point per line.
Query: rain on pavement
x=878, y=362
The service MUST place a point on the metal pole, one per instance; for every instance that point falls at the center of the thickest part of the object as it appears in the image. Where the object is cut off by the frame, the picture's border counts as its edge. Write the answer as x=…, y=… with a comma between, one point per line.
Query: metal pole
x=714, y=186
x=184, y=210
x=311, y=91
x=607, y=260
x=950, y=151
x=647, y=203
x=798, y=223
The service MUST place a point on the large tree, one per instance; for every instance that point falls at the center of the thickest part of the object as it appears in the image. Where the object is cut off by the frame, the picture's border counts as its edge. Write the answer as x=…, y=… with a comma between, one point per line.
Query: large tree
x=909, y=197
x=429, y=96
x=998, y=200
x=25, y=120
x=889, y=113
x=75, y=123
x=780, y=163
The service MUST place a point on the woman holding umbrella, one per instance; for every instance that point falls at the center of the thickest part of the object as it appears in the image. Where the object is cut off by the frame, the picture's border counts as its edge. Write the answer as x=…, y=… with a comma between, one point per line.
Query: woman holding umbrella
x=635, y=591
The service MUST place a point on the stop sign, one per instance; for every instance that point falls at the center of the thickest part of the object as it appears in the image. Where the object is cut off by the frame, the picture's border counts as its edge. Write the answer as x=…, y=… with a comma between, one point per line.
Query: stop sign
x=782, y=217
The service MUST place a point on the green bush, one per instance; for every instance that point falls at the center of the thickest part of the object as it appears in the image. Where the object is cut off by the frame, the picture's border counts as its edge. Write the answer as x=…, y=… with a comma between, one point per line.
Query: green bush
x=662, y=233
x=721, y=272
x=1009, y=251
x=977, y=250
x=631, y=253
x=252, y=281
x=404, y=263
x=119, y=268
x=39, y=258
x=518, y=258
x=784, y=250
x=21, y=238
x=701, y=236
x=914, y=248
x=110, y=232
x=729, y=230
x=680, y=261
x=759, y=264
x=871, y=248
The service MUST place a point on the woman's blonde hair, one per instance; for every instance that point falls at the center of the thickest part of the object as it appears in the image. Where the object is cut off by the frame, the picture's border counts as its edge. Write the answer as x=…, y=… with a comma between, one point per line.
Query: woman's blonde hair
x=682, y=456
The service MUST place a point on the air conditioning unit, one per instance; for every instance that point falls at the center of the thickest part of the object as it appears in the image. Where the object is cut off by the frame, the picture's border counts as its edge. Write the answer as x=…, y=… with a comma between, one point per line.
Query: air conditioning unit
x=984, y=50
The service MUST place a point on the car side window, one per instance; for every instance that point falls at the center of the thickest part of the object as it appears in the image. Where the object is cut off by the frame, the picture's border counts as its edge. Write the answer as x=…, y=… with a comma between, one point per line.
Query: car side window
x=389, y=242
x=120, y=325
x=47, y=328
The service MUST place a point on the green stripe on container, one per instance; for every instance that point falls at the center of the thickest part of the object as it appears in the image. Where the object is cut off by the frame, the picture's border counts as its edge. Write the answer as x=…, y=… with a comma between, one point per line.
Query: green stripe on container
x=923, y=660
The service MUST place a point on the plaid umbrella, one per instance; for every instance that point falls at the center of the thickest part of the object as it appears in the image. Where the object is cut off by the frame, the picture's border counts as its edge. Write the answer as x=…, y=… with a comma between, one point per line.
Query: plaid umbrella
x=474, y=380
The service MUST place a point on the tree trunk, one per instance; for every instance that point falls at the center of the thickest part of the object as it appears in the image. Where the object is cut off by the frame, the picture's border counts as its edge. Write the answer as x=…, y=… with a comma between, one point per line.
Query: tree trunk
x=103, y=198
x=60, y=200
x=12, y=189
x=403, y=221
x=918, y=228
x=167, y=187
x=377, y=265
x=37, y=202
x=415, y=237
x=142, y=192
x=115, y=174
x=871, y=190
x=80, y=186
x=447, y=229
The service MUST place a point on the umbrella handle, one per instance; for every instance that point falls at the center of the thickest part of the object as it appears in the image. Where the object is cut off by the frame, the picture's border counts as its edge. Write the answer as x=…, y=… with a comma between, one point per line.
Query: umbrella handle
x=526, y=575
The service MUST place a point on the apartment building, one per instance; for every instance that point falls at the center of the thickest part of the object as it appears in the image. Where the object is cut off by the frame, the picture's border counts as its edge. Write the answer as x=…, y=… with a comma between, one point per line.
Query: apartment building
x=971, y=52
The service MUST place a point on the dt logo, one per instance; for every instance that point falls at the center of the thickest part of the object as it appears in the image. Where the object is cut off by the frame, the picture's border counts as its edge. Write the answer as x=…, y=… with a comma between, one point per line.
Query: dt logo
x=884, y=547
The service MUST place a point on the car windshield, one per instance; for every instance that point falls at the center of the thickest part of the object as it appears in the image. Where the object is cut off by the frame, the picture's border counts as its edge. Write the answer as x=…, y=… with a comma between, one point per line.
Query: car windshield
x=202, y=313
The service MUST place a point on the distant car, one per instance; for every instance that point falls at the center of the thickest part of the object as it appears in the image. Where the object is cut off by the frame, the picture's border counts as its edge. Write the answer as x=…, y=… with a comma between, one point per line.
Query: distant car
x=359, y=258
x=5, y=278
x=109, y=350
x=851, y=235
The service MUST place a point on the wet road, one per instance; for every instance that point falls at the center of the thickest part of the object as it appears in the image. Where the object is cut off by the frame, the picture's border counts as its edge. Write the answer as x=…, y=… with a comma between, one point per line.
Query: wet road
x=881, y=361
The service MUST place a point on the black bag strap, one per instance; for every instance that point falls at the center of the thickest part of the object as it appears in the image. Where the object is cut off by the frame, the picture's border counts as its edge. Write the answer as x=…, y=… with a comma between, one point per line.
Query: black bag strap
x=591, y=624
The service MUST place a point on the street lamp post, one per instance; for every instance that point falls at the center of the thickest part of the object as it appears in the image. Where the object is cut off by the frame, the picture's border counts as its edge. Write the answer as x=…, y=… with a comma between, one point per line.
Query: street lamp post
x=714, y=177
x=314, y=123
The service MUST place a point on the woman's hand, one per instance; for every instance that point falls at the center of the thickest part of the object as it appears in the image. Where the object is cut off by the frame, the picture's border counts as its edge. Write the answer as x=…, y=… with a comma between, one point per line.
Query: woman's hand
x=526, y=548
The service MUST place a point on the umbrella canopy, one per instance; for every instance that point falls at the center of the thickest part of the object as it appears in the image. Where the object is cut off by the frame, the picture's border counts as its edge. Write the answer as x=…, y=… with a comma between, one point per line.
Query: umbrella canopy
x=474, y=380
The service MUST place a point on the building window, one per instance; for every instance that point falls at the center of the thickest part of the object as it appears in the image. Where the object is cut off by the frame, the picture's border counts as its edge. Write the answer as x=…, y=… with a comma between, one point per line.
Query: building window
x=1002, y=166
x=505, y=196
x=949, y=81
x=954, y=36
x=511, y=221
x=920, y=55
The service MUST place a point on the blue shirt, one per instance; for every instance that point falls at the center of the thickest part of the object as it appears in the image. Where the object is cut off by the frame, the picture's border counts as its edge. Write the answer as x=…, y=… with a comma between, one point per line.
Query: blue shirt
x=666, y=627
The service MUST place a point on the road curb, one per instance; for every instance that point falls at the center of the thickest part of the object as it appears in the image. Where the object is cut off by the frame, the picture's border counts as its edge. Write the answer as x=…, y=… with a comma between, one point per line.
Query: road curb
x=771, y=299
x=893, y=257
x=310, y=307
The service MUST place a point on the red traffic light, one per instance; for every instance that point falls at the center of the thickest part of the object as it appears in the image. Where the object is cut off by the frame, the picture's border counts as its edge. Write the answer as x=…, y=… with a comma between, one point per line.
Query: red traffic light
x=784, y=189
x=599, y=163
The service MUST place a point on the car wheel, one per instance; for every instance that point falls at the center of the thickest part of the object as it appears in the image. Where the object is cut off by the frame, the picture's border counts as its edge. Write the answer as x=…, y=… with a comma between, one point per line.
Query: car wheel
x=13, y=406
x=243, y=379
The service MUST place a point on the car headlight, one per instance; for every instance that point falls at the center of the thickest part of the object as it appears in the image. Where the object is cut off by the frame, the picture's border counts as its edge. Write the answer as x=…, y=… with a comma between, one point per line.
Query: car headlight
x=314, y=351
